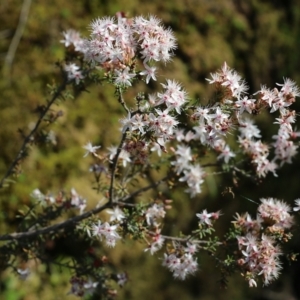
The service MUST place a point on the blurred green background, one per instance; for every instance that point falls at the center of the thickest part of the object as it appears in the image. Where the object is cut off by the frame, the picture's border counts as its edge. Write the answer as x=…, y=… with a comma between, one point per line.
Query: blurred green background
x=260, y=39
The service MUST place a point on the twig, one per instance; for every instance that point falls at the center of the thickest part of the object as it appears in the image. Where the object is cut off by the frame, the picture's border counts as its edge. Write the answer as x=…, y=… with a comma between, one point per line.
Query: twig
x=121, y=100
x=119, y=149
x=28, y=138
x=73, y=221
x=182, y=240
x=16, y=39
x=114, y=167
x=53, y=228
x=144, y=189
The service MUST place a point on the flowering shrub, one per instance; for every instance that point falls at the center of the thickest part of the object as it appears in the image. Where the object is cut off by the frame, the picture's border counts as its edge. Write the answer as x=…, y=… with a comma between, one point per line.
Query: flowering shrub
x=168, y=132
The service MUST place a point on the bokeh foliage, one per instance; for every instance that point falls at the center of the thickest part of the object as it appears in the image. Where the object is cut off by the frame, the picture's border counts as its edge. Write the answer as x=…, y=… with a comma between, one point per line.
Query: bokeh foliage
x=260, y=39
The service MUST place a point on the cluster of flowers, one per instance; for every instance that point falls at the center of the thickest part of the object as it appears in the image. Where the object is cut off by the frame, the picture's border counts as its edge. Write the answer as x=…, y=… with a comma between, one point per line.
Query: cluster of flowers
x=159, y=120
x=74, y=200
x=235, y=89
x=208, y=218
x=215, y=122
x=81, y=287
x=106, y=230
x=182, y=261
x=153, y=214
x=258, y=247
x=193, y=174
x=114, y=45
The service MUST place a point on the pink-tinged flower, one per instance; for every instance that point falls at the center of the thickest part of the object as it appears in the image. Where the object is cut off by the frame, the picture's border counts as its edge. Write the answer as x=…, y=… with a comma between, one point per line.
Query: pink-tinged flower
x=23, y=273
x=124, y=77
x=182, y=265
x=248, y=130
x=124, y=155
x=137, y=122
x=77, y=288
x=90, y=287
x=122, y=278
x=267, y=95
x=297, y=207
x=231, y=80
x=260, y=257
x=73, y=72
x=153, y=213
x=183, y=158
x=150, y=72
x=226, y=154
x=285, y=148
x=77, y=201
x=38, y=195
x=191, y=248
x=246, y=223
x=180, y=135
x=116, y=214
x=108, y=231
x=159, y=147
x=81, y=287
x=245, y=104
x=194, y=178
x=205, y=217
x=173, y=96
x=202, y=114
x=115, y=43
x=277, y=211
x=43, y=199
x=156, y=42
x=156, y=245
x=289, y=90
x=90, y=149
x=252, y=283
x=162, y=123
x=171, y=261
x=73, y=37
x=216, y=215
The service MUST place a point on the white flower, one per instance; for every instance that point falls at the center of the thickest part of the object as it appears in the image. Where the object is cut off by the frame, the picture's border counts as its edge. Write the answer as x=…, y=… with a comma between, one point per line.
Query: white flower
x=194, y=178
x=116, y=214
x=77, y=201
x=108, y=231
x=154, y=212
x=124, y=155
x=226, y=154
x=297, y=201
x=205, y=217
x=124, y=77
x=23, y=273
x=74, y=72
x=156, y=245
x=90, y=287
x=37, y=195
x=150, y=72
x=90, y=149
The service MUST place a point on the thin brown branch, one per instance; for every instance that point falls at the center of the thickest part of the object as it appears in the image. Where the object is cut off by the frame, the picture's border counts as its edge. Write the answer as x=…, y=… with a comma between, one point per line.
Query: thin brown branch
x=29, y=137
x=16, y=39
x=186, y=239
x=114, y=167
x=121, y=100
x=74, y=220
x=55, y=227
x=144, y=189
